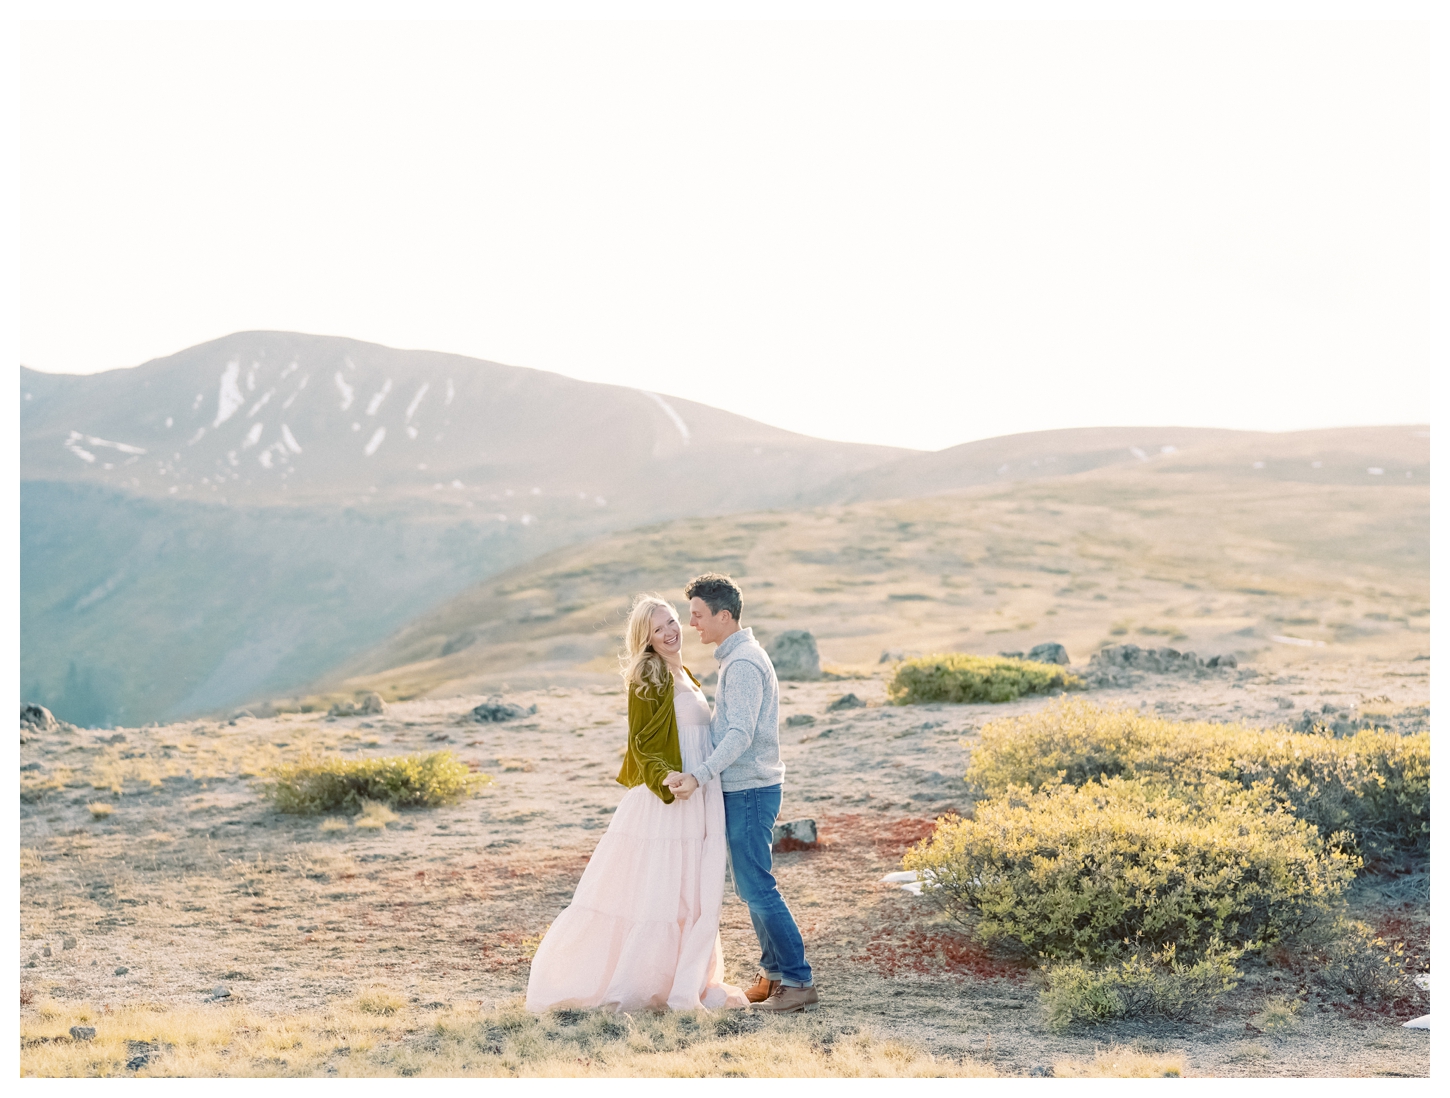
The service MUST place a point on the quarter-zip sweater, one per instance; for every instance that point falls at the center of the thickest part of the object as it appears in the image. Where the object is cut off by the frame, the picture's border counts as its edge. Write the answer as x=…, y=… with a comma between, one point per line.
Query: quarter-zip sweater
x=745, y=730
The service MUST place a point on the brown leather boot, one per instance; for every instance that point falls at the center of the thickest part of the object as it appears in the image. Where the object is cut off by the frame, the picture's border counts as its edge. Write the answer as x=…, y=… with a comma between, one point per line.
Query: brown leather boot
x=762, y=989
x=789, y=1000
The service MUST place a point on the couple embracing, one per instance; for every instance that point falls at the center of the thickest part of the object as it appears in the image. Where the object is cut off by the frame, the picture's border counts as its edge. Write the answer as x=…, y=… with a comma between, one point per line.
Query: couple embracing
x=643, y=930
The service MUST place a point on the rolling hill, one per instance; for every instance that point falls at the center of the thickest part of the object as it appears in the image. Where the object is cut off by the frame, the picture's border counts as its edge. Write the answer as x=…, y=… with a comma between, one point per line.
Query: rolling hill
x=1319, y=536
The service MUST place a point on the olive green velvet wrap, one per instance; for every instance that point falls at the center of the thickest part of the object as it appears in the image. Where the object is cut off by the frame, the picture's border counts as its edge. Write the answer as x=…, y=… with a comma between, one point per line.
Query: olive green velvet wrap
x=653, y=748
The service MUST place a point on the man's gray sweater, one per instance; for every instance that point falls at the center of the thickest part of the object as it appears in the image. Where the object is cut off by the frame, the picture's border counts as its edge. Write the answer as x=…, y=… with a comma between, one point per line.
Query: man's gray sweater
x=745, y=730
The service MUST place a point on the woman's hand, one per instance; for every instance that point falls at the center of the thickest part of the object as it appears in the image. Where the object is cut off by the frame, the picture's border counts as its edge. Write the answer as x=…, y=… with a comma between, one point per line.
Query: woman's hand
x=681, y=785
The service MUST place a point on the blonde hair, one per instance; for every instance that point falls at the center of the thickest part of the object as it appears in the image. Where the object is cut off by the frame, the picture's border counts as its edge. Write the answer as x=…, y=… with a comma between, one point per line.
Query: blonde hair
x=641, y=666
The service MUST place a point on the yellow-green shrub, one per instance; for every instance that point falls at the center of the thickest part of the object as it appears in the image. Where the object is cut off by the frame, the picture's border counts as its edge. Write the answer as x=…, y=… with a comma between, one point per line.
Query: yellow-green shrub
x=1374, y=784
x=1102, y=871
x=956, y=677
x=315, y=785
x=1074, y=992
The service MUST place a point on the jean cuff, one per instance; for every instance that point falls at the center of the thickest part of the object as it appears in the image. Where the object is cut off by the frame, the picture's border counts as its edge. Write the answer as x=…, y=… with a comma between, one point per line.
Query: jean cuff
x=793, y=983
x=772, y=976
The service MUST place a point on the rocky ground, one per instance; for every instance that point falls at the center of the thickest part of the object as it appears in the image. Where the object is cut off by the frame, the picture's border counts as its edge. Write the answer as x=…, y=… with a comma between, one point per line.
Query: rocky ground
x=191, y=890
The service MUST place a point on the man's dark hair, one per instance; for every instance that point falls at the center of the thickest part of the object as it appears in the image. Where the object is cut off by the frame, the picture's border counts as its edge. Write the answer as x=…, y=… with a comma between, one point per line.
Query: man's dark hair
x=718, y=593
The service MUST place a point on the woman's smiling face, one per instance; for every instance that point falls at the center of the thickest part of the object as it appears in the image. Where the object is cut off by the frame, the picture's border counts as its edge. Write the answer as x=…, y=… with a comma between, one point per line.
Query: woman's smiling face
x=666, y=636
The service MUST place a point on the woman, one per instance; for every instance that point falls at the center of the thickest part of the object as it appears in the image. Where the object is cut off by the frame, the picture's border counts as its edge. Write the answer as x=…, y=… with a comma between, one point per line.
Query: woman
x=643, y=929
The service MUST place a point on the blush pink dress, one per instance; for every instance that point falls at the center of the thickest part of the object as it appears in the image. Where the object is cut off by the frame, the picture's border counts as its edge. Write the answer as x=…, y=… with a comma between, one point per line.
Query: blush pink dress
x=643, y=929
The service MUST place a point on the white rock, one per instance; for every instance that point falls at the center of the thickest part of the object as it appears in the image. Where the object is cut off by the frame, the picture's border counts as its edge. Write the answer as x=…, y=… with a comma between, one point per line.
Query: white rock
x=1422, y=1022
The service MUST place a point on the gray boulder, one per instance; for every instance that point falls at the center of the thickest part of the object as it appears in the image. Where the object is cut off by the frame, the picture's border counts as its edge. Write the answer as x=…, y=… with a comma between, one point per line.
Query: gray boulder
x=793, y=834
x=83, y=1033
x=1051, y=652
x=496, y=709
x=37, y=718
x=795, y=720
x=795, y=656
x=846, y=701
x=372, y=703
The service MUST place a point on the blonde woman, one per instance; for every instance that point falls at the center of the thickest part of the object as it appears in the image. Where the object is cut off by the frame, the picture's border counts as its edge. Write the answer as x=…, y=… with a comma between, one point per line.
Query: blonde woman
x=643, y=929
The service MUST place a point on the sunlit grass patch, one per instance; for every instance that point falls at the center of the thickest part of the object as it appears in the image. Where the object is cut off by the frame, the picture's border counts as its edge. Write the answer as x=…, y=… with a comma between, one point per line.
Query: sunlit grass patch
x=322, y=784
x=100, y=810
x=379, y=1034
x=374, y=816
x=1121, y=1062
x=379, y=1000
x=333, y=823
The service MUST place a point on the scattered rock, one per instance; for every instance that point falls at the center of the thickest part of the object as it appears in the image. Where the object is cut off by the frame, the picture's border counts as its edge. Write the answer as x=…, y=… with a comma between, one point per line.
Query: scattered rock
x=122, y=970
x=801, y=831
x=143, y=1052
x=846, y=701
x=372, y=704
x=221, y=991
x=1335, y=721
x=83, y=1033
x=795, y=720
x=1226, y=660
x=68, y=942
x=45, y=951
x=1051, y=652
x=795, y=656
x=891, y=657
x=496, y=709
x=1040, y=1071
x=37, y=720
x=1117, y=664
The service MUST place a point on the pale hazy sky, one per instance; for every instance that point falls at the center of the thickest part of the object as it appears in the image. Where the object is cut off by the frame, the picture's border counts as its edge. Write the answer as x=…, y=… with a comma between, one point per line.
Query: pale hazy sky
x=910, y=233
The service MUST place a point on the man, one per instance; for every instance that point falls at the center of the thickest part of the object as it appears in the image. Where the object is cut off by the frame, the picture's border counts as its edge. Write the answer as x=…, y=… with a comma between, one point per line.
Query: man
x=745, y=737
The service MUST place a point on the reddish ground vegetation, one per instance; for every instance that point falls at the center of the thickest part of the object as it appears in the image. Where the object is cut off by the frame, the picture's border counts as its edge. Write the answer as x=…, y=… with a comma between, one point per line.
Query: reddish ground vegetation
x=894, y=950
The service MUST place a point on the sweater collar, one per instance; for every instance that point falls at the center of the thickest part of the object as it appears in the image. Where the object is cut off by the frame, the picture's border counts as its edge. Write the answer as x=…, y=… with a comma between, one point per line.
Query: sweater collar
x=732, y=642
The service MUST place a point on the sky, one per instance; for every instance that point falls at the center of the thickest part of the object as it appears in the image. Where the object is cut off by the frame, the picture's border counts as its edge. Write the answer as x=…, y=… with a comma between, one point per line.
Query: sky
x=914, y=234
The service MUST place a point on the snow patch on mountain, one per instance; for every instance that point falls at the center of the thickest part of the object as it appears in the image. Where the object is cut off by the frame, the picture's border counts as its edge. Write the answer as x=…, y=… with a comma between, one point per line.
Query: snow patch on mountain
x=229, y=395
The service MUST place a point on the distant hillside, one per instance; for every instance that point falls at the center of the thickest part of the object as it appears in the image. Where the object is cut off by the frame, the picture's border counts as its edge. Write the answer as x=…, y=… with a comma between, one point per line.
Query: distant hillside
x=278, y=417
x=1338, y=455
x=1322, y=536
x=237, y=518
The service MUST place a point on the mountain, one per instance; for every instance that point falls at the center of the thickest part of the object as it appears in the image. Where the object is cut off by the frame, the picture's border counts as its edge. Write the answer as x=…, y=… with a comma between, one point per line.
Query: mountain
x=1318, y=535
x=1334, y=455
x=233, y=520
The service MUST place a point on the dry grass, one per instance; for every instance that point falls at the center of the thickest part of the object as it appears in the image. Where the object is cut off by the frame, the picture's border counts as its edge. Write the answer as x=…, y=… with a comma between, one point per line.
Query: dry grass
x=1122, y=1062
x=100, y=810
x=333, y=823
x=375, y=816
x=378, y=1034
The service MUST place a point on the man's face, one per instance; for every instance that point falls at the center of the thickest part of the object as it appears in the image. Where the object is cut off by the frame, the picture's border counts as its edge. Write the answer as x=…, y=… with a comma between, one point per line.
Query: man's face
x=713, y=628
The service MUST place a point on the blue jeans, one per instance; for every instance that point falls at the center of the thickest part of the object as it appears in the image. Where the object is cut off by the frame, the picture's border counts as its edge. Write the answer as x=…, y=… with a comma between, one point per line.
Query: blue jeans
x=749, y=821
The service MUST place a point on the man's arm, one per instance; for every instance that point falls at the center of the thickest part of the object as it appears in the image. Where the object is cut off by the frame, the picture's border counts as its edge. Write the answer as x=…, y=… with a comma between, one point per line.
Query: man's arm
x=741, y=694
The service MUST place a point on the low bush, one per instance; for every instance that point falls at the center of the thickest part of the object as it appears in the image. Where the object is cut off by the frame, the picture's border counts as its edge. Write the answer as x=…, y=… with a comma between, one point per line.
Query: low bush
x=1373, y=784
x=956, y=677
x=313, y=786
x=1076, y=993
x=1104, y=871
x=1365, y=966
